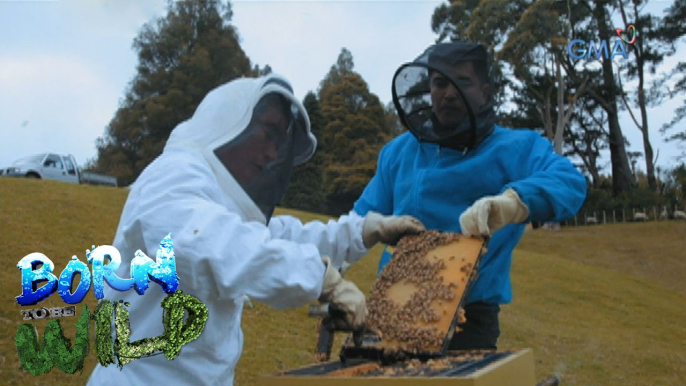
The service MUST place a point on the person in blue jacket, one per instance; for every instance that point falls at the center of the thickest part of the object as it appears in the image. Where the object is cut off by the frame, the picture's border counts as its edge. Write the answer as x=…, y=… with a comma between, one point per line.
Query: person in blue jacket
x=456, y=170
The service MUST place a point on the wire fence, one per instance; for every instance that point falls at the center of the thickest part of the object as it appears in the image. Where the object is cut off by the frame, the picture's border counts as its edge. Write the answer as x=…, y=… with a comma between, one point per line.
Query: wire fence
x=613, y=216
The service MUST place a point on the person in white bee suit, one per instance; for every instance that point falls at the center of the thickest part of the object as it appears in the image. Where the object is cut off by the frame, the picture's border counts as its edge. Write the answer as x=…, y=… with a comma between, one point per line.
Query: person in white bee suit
x=214, y=188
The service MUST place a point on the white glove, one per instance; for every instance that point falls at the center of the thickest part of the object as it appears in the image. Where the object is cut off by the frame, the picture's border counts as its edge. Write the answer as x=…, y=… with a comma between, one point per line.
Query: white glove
x=343, y=295
x=489, y=214
x=388, y=229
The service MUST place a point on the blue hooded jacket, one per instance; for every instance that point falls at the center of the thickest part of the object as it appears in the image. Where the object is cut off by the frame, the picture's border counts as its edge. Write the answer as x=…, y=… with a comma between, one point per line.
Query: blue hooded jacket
x=437, y=184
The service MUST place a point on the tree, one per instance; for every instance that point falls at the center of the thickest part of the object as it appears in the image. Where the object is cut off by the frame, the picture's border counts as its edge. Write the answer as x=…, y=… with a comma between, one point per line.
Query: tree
x=306, y=190
x=181, y=57
x=395, y=127
x=672, y=28
x=648, y=52
x=673, y=187
x=586, y=138
x=606, y=96
x=354, y=132
x=534, y=48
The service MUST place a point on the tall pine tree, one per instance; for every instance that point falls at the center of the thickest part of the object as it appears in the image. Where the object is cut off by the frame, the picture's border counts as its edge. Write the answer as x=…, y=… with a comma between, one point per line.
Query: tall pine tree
x=673, y=28
x=306, y=190
x=356, y=129
x=181, y=57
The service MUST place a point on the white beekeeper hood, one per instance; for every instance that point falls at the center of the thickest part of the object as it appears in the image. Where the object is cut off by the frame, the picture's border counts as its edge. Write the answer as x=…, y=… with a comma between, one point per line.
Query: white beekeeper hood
x=227, y=121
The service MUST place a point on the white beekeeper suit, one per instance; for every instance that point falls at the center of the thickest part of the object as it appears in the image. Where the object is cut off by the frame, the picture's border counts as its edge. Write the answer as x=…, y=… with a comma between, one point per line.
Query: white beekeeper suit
x=214, y=190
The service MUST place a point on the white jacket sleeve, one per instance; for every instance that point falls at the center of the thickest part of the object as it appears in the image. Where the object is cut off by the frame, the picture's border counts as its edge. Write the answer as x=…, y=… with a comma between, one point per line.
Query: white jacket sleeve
x=340, y=239
x=217, y=253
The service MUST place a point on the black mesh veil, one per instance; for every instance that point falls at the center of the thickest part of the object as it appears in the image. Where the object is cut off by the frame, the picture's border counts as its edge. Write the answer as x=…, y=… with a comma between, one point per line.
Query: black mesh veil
x=412, y=95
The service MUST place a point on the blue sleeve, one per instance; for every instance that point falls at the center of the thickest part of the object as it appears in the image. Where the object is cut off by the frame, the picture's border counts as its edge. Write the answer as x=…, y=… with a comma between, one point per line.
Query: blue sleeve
x=377, y=195
x=553, y=189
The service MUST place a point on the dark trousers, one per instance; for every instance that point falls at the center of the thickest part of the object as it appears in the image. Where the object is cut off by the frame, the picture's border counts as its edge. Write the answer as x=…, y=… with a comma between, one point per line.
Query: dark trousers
x=481, y=330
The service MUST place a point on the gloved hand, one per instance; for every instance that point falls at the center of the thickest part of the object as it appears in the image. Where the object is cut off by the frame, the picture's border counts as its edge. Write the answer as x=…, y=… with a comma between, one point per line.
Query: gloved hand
x=388, y=229
x=345, y=298
x=489, y=214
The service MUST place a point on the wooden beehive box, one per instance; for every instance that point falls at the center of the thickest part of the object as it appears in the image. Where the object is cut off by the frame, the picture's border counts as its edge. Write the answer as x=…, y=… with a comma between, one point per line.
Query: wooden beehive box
x=515, y=368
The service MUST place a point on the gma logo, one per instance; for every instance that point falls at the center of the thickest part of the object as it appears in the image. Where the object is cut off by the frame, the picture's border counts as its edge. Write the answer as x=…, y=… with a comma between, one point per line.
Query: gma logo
x=577, y=48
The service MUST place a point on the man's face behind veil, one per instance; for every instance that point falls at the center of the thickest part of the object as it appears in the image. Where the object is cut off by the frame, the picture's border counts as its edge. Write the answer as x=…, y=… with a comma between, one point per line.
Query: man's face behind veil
x=249, y=155
x=447, y=104
x=261, y=157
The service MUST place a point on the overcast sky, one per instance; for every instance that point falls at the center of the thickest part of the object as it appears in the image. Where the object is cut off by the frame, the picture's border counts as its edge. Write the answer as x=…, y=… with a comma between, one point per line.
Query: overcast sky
x=65, y=64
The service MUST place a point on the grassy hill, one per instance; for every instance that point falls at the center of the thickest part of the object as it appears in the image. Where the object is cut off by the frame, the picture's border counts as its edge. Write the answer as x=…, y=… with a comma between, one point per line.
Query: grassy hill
x=602, y=305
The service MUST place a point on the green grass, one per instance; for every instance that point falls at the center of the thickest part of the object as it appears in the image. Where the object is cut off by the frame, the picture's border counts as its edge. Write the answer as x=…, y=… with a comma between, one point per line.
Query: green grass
x=59, y=220
x=601, y=305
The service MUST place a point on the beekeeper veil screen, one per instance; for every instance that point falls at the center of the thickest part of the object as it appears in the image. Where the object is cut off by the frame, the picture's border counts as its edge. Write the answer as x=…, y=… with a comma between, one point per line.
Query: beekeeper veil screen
x=444, y=96
x=261, y=157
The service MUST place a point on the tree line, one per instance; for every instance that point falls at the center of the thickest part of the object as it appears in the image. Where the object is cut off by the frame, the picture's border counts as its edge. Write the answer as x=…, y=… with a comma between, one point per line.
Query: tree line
x=574, y=102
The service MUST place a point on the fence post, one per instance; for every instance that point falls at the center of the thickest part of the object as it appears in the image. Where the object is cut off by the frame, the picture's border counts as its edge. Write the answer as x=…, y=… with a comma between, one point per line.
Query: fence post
x=654, y=213
x=575, y=223
x=604, y=220
x=614, y=219
x=623, y=216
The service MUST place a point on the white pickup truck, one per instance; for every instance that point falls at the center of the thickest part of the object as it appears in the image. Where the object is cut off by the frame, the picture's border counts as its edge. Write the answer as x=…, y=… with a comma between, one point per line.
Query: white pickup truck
x=51, y=166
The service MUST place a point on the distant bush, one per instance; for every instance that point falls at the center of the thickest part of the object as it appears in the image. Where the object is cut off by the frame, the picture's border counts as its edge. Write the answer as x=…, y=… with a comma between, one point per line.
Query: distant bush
x=670, y=193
